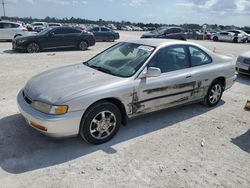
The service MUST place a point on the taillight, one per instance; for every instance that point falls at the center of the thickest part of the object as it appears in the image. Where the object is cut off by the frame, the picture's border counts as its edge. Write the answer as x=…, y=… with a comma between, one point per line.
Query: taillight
x=24, y=30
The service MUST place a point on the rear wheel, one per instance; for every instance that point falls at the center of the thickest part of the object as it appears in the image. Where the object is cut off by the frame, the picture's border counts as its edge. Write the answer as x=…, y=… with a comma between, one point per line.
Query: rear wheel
x=100, y=123
x=33, y=48
x=215, y=39
x=235, y=40
x=83, y=45
x=214, y=94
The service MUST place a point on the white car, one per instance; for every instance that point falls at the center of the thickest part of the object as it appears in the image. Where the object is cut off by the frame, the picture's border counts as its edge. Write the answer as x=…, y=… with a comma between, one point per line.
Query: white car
x=39, y=26
x=10, y=30
x=229, y=37
x=242, y=34
x=54, y=24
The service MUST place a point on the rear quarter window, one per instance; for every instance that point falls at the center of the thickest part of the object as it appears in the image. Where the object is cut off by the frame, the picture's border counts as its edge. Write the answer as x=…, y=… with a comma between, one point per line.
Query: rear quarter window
x=199, y=57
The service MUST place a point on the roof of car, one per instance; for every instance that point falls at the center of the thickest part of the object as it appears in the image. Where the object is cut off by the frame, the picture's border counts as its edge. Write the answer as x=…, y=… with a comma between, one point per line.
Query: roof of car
x=159, y=42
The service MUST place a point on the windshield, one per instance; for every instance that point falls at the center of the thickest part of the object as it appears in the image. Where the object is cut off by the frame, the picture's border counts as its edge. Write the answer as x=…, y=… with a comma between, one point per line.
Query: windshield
x=45, y=31
x=160, y=30
x=123, y=59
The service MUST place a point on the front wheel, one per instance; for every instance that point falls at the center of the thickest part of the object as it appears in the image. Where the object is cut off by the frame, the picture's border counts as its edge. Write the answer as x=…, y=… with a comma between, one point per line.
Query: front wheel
x=83, y=45
x=100, y=123
x=214, y=94
x=33, y=48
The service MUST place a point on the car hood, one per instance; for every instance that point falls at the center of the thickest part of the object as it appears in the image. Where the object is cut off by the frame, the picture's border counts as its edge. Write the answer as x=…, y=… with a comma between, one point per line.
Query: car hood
x=246, y=54
x=56, y=85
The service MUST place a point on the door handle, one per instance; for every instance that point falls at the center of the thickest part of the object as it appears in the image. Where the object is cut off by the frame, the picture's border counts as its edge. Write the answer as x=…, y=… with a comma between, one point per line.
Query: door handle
x=189, y=76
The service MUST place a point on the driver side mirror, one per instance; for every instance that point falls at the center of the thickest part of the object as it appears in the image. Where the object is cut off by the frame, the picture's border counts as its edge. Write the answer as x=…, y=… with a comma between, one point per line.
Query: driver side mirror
x=151, y=72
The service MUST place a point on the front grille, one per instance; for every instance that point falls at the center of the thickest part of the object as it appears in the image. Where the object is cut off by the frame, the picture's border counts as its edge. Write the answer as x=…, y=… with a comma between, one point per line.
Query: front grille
x=244, y=71
x=247, y=61
x=26, y=98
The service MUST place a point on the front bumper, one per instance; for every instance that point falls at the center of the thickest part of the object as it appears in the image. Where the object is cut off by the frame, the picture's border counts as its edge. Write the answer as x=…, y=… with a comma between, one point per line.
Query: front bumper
x=243, y=68
x=66, y=125
x=16, y=46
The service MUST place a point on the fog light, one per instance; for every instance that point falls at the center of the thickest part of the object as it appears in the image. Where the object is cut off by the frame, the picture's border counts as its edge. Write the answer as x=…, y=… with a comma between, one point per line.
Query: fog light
x=40, y=127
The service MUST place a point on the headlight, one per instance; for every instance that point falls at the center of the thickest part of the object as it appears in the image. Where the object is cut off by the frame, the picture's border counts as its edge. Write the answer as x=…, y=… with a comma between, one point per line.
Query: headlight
x=239, y=59
x=20, y=41
x=49, y=109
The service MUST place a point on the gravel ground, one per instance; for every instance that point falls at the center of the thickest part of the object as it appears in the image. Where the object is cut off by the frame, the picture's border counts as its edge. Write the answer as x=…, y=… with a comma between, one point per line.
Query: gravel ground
x=190, y=146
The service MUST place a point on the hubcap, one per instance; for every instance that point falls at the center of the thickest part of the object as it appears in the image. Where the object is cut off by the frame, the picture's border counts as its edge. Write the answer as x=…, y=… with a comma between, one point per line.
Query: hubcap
x=33, y=48
x=102, y=125
x=83, y=45
x=215, y=93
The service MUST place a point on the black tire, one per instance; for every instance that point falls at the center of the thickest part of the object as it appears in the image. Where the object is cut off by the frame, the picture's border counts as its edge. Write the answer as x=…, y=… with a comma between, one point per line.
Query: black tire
x=112, y=39
x=33, y=48
x=208, y=101
x=90, y=121
x=235, y=40
x=83, y=45
x=215, y=39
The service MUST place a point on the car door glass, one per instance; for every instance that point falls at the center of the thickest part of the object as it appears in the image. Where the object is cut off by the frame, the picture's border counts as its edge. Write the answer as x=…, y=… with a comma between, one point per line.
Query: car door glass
x=7, y=25
x=59, y=31
x=104, y=29
x=96, y=29
x=170, y=59
x=198, y=57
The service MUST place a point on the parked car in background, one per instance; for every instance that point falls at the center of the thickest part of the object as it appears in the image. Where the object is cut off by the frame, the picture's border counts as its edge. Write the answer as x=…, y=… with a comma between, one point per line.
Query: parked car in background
x=54, y=25
x=10, y=30
x=104, y=34
x=241, y=33
x=243, y=63
x=112, y=26
x=127, y=80
x=197, y=35
x=126, y=28
x=167, y=33
x=39, y=26
x=229, y=37
x=53, y=38
x=136, y=28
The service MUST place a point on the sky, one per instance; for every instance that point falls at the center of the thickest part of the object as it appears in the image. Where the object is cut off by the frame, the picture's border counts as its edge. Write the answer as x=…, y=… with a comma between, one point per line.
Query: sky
x=225, y=12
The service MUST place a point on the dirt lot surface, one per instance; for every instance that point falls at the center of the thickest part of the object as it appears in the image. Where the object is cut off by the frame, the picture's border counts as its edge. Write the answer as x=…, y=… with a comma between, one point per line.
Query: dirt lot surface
x=190, y=146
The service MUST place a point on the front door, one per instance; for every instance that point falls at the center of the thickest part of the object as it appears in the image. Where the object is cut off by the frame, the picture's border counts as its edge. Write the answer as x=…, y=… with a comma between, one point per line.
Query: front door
x=175, y=85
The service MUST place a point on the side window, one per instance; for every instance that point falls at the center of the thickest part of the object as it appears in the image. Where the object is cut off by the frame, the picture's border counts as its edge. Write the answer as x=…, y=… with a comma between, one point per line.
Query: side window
x=198, y=57
x=104, y=29
x=70, y=31
x=96, y=29
x=59, y=31
x=15, y=25
x=171, y=59
x=7, y=25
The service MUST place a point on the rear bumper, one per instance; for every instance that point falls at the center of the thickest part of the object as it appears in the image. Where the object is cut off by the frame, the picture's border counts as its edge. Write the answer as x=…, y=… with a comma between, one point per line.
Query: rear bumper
x=57, y=126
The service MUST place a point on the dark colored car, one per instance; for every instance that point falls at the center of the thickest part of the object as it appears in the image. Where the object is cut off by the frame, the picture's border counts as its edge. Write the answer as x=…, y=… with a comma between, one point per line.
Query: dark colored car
x=53, y=38
x=104, y=34
x=166, y=32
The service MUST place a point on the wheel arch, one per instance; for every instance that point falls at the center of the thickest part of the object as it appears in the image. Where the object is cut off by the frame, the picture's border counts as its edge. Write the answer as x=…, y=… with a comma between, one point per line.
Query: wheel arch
x=222, y=79
x=112, y=100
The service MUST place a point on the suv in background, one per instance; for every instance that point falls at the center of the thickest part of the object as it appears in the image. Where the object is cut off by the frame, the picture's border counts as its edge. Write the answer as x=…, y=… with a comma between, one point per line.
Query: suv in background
x=10, y=30
x=167, y=33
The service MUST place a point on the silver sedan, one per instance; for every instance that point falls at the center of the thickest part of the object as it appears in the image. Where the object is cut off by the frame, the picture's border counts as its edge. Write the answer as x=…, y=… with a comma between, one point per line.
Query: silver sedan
x=126, y=80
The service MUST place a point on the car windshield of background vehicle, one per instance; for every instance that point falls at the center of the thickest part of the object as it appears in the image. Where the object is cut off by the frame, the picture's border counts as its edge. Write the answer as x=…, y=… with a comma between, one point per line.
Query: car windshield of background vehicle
x=123, y=59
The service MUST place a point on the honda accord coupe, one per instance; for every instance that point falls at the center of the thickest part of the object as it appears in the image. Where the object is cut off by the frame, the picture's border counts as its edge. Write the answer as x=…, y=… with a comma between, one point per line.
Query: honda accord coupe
x=54, y=38
x=126, y=80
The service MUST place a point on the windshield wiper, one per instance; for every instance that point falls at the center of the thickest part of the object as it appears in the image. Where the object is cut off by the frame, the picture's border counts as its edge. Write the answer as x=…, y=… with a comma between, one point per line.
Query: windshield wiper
x=101, y=69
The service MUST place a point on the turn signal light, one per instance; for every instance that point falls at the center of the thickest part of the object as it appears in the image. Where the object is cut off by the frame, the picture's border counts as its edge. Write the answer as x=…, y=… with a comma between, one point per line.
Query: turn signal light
x=40, y=127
